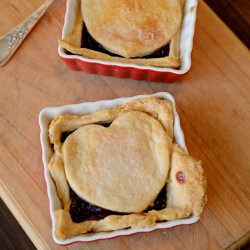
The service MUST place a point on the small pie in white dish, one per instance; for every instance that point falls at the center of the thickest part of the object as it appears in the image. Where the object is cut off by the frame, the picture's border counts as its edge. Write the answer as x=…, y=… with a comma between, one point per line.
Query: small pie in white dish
x=122, y=168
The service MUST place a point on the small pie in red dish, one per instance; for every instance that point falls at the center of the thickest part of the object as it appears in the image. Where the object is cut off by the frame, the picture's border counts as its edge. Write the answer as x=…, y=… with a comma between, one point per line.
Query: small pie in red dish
x=142, y=32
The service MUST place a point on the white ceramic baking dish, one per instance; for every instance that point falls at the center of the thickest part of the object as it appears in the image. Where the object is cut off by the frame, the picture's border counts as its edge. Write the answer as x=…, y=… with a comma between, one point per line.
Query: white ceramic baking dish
x=48, y=114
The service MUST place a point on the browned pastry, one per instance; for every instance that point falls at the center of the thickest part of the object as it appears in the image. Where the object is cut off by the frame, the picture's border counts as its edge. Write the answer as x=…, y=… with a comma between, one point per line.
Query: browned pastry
x=132, y=28
x=132, y=31
x=116, y=164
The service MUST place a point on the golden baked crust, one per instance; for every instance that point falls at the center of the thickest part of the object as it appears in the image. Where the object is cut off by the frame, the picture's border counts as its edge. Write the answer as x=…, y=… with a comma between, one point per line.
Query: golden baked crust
x=66, y=228
x=185, y=195
x=187, y=184
x=159, y=109
x=72, y=43
x=110, y=167
x=132, y=28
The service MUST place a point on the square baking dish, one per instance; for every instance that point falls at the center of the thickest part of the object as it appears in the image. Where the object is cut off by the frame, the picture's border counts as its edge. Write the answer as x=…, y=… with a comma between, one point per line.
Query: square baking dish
x=123, y=70
x=48, y=114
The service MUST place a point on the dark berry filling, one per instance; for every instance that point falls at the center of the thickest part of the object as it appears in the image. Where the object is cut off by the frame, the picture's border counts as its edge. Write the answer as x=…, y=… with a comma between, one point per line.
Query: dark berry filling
x=89, y=43
x=80, y=210
x=65, y=135
x=162, y=52
x=160, y=201
x=105, y=124
x=180, y=177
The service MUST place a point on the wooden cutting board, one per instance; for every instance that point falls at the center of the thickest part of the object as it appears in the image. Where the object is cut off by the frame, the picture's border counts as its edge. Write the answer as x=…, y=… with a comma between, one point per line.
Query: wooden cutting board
x=212, y=101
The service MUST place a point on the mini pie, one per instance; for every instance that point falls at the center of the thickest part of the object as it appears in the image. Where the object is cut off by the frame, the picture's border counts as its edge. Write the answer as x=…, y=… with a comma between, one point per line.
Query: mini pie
x=142, y=32
x=121, y=168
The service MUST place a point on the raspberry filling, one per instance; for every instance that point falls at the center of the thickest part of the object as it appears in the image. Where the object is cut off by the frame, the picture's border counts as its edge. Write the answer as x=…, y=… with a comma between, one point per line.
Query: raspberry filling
x=180, y=177
x=81, y=210
x=89, y=43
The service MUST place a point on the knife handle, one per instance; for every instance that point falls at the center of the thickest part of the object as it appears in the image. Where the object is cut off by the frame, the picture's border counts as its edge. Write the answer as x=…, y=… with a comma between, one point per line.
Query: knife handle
x=11, y=41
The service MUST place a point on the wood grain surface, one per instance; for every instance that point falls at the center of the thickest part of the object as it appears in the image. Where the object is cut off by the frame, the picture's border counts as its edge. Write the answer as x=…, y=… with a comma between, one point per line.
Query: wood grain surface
x=236, y=15
x=212, y=101
x=11, y=235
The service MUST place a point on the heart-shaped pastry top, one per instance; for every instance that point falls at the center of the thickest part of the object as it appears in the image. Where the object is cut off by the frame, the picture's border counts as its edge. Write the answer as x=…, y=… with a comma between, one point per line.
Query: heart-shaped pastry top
x=122, y=167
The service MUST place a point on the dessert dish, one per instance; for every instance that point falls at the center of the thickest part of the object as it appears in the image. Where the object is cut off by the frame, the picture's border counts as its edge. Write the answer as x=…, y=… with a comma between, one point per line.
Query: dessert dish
x=126, y=31
x=88, y=55
x=121, y=167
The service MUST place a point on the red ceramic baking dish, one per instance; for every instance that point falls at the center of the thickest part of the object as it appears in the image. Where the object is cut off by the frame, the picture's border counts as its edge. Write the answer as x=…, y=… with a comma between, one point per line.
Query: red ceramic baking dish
x=136, y=72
